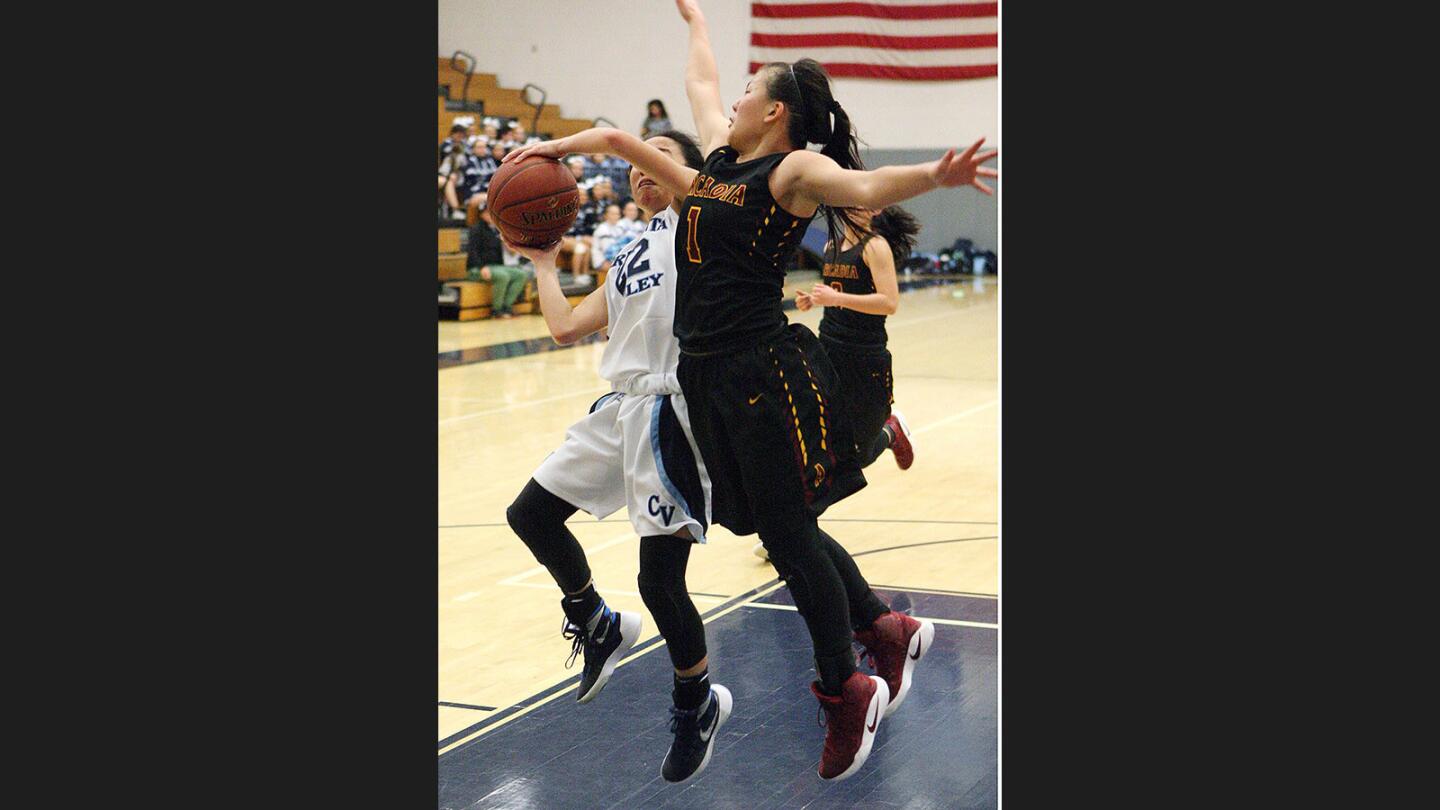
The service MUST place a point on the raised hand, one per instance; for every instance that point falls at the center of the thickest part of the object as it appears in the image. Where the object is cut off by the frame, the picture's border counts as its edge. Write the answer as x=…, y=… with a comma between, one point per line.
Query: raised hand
x=965, y=170
x=689, y=9
x=550, y=149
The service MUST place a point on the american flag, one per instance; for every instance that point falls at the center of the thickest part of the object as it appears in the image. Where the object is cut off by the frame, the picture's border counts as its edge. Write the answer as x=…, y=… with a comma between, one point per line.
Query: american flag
x=880, y=39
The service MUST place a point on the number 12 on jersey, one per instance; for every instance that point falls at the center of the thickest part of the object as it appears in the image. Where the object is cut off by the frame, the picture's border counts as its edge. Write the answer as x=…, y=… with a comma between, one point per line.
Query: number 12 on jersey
x=692, y=238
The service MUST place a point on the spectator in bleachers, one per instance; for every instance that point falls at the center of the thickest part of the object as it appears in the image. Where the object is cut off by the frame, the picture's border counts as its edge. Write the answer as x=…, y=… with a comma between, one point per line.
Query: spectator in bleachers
x=486, y=162
x=458, y=134
x=488, y=260
x=578, y=239
x=476, y=180
x=452, y=179
x=576, y=164
x=630, y=219
x=657, y=121
x=607, y=234
x=602, y=191
x=611, y=168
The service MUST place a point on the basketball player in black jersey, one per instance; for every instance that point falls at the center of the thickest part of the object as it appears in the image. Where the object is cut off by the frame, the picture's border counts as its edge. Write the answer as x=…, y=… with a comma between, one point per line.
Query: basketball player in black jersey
x=762, y=392
x=859, y=290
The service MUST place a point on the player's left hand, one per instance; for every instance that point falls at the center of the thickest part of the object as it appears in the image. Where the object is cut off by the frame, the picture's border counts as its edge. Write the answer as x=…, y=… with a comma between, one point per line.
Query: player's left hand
x=551, y=149
x=803, y=301
x=824, y=296
x=965, y=170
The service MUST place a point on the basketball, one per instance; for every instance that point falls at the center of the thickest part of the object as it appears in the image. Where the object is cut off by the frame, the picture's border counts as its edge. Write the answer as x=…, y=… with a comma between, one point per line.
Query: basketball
x=533, y=200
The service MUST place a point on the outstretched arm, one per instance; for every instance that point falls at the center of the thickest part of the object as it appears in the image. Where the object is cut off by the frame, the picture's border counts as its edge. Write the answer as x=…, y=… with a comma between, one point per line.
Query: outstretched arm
x=806, y=179
x=673, y=177
x=566, y=325
x=702, y=81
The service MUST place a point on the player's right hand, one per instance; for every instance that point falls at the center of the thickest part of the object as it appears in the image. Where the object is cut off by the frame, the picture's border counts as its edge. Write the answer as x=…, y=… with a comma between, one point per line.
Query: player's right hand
x=689, y=9
x=542, y=258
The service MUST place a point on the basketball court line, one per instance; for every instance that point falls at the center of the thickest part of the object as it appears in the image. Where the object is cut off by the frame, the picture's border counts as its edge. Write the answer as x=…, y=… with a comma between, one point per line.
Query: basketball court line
x=947, y=420
x=934, y=591
x=454, y=419
x=770, y=606
x=490, y=724
x=467, y=706
x=612, y=591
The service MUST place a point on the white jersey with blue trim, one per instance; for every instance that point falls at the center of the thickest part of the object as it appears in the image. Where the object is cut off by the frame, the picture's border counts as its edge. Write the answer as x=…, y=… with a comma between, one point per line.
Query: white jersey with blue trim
x=642, y=353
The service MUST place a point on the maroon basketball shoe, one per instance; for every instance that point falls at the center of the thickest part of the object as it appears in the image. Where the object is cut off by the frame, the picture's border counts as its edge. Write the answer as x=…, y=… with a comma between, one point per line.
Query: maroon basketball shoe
x=850, y=722
x=894, y=644
x=900, y=445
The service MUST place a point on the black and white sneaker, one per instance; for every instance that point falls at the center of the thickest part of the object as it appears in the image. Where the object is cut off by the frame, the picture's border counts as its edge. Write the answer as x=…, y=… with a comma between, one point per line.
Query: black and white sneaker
x=694, y=732
x=615, y=633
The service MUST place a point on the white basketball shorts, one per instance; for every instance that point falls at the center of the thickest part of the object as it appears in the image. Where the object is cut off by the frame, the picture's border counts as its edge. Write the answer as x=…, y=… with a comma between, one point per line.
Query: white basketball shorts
x=637, y=451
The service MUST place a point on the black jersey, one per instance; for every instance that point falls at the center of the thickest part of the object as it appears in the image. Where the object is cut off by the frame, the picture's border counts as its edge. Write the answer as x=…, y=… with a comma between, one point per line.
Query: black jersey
x=847, y=272
x=731, y=249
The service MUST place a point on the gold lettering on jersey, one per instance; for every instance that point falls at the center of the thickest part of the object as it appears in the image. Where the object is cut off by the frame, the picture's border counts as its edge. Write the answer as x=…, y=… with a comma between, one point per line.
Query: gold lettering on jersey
x=705, y=186
x=840, y=271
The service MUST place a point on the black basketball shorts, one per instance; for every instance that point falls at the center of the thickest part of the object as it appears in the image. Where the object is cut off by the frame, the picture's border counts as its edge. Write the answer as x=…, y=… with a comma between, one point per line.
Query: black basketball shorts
x=776, y=445
x=867, y=387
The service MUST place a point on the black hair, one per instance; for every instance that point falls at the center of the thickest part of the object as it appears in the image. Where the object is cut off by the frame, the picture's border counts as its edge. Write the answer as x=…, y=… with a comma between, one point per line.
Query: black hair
x=689, y=147
x=804, y=89
x=663, y=114
x=459, y=128
x=898, y=227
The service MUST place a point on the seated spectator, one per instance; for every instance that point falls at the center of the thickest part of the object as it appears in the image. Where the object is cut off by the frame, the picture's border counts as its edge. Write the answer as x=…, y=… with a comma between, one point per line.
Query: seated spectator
x=458, y=134
x=609, y=167
x=602, y=191
x=576, y=165
x=630, y=220
x=482, y=165
x=488, y=260
x=578, y=239
x=657, y=121
x=456, y=187
x=607, y=234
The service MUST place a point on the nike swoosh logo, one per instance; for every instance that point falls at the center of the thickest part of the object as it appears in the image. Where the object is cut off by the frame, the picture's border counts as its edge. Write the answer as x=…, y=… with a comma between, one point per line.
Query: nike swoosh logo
x=919, y=642
x=755, y=398
x=705, y=735
x=875, y=716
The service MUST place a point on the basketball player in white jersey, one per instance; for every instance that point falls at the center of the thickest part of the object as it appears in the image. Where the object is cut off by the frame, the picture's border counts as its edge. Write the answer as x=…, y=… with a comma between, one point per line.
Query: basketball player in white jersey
x=634, y=449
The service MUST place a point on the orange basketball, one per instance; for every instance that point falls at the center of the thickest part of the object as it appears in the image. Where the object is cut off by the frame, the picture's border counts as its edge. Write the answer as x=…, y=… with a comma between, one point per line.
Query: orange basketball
x=533, y=200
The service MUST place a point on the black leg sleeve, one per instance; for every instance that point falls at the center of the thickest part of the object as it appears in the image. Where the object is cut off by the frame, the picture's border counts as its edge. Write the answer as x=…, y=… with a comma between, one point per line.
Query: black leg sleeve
x=662, y=585
x=879, y=445
x=539, y=518
x=865, y=606
x=819, y=592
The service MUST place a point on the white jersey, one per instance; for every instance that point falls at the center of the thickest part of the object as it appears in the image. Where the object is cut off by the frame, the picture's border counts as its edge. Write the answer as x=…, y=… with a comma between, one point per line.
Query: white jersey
x=640, y=298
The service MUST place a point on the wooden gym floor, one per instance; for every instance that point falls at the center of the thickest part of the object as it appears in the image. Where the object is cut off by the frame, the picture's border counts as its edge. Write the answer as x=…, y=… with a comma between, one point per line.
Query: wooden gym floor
x=925, y=538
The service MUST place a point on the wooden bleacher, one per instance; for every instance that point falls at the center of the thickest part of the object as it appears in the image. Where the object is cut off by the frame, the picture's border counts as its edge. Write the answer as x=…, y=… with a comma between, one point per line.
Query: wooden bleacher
x=501, y=102
x=472, y=299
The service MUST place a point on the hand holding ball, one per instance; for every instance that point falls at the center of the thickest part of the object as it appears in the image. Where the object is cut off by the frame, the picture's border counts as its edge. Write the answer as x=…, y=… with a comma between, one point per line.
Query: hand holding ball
x=533, y=200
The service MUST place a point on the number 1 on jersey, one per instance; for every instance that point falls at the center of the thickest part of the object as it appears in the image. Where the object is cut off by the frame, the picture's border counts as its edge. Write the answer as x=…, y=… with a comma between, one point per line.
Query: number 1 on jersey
x=692, y=240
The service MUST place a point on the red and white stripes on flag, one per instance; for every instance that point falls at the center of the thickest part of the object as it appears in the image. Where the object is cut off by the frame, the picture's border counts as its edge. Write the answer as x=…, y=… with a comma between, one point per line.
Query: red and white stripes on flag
x=879, y=39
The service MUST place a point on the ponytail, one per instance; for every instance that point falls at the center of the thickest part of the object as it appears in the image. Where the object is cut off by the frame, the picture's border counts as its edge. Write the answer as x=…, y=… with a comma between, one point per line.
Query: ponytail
x=899, y=229
x=804, y=88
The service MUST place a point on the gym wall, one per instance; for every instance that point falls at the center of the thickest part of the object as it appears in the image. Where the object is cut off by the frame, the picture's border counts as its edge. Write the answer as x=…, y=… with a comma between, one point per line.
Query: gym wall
x=607, y=58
